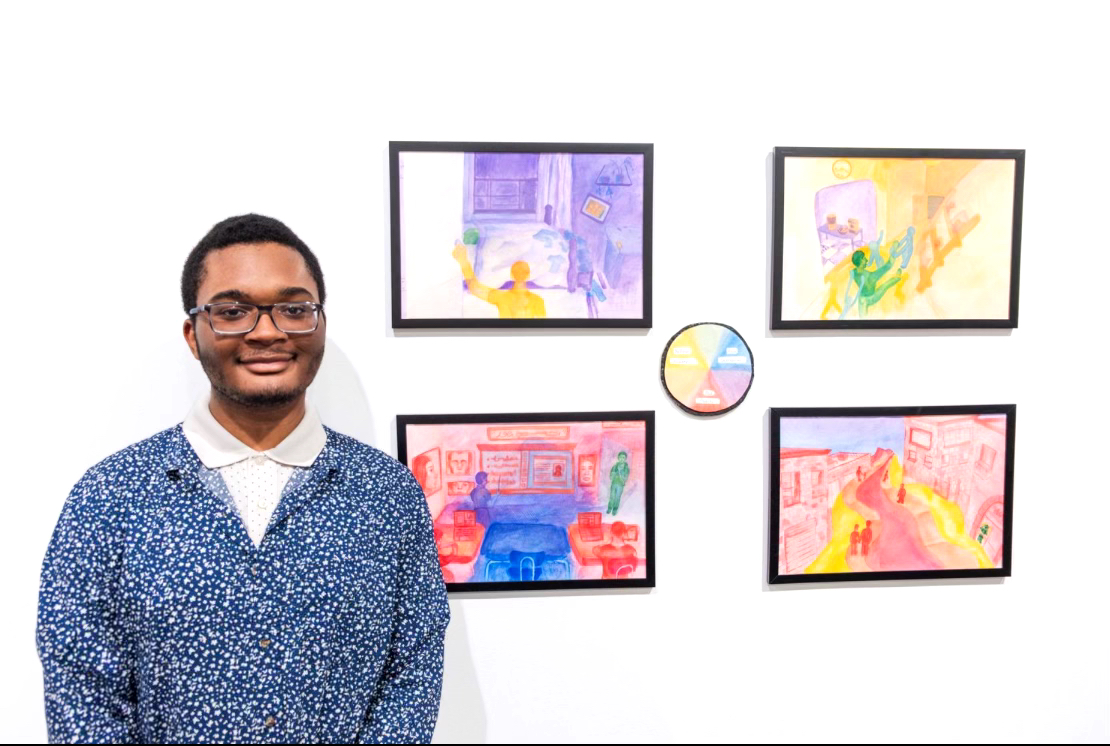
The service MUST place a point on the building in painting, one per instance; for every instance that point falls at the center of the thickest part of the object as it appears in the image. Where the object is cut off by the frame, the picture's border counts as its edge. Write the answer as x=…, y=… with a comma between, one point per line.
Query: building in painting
x=805, y=515
x=963, y=459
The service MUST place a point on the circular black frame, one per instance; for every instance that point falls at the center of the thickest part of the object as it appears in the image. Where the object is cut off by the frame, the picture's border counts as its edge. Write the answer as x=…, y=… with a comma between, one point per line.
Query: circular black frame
x=663, y=370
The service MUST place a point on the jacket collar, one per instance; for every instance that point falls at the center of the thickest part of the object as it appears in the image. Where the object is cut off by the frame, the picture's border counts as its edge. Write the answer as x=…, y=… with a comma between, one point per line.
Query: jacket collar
x=216, y=447
x=181, y=461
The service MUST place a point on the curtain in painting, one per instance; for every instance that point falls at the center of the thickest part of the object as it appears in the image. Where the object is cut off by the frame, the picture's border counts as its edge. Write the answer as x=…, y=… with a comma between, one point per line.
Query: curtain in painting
x=555, y=182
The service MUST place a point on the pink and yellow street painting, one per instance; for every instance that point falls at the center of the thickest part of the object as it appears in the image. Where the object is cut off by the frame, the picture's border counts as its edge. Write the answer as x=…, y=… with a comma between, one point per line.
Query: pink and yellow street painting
x=879, y=494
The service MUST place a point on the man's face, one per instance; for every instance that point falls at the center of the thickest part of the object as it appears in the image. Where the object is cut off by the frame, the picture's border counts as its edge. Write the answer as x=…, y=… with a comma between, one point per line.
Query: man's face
x=265, y=367
x=458, y=462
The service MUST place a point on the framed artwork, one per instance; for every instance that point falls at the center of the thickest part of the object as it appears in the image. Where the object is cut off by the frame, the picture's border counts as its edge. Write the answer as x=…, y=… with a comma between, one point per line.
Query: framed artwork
x=596, y=208
x=587, y=470
x=459, y=488
x=879, y=493
x=460, y=463
x=557, y=500
x=896, y=238
x=428, y=470
x=544, y=235
x=707, y=368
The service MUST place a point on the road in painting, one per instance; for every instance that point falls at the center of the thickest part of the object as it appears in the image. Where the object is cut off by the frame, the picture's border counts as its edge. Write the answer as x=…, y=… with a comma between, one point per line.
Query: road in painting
x=872, y=494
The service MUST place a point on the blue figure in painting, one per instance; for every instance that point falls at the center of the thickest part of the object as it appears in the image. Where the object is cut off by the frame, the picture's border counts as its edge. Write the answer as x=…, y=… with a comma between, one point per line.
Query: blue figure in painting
x=479, y=499
x=582, y=274
x=869, y=282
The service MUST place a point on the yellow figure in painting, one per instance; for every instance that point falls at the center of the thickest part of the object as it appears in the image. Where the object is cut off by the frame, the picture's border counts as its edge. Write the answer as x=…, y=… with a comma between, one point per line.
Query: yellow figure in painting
x=518, y=302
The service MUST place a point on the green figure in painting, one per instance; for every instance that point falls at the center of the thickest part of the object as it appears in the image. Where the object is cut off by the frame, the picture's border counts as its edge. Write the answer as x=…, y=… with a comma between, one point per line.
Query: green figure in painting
x=618, y=477
x=867, y=281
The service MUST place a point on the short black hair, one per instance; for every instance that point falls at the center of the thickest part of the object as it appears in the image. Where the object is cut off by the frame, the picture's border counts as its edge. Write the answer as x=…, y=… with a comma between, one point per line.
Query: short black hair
x=250, y=228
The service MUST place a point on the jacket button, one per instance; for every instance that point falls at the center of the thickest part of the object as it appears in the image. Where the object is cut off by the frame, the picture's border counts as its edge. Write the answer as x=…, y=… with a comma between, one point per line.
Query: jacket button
x=254, y=569
x=270, y=721
x=264, y=643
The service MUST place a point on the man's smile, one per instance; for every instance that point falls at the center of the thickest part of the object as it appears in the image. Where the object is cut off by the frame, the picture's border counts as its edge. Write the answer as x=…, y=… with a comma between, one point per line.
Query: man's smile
x=267, y=364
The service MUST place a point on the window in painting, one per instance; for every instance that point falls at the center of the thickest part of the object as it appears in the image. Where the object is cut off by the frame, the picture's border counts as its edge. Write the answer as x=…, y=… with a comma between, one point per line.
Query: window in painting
x=505, y=182
x=957, y=435
x=922, y=438
x=791, y=488
x=986, y=458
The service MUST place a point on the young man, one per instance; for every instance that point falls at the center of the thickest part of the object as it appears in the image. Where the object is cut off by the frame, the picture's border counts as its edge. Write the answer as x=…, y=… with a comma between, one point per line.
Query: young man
x=248, y=575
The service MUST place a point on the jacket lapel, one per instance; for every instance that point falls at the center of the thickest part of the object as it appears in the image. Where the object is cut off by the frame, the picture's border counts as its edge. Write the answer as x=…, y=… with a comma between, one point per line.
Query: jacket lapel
x=306, y=485
x=204, y=487
x=183, y=465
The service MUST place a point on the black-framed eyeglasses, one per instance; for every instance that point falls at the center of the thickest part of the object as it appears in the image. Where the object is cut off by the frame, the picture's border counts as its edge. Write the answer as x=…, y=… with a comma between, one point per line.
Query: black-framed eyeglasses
x=301, y=317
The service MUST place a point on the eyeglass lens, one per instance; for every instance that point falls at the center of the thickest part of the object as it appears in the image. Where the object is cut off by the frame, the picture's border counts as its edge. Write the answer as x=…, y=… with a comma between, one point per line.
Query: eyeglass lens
x=241, y=317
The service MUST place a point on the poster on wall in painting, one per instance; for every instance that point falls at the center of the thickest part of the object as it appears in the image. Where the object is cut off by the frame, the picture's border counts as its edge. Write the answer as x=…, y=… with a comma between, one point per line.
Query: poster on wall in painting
x=896, y=238
x=428, y=470
x=558, y=500
x=881, y=493
x=521, y=234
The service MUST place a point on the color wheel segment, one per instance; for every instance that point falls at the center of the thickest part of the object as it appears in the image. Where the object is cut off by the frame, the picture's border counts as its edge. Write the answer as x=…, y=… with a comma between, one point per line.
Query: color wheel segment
x=707, y=368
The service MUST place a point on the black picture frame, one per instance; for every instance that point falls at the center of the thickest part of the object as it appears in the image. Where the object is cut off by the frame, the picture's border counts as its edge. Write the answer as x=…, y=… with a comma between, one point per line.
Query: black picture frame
x=501, y=418
x=774, y=497
x=780, y=154
x=644, y=321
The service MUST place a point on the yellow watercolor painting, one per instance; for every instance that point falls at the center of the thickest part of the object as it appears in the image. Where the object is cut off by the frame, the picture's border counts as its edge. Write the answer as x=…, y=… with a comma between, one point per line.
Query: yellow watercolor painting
x=888, y=239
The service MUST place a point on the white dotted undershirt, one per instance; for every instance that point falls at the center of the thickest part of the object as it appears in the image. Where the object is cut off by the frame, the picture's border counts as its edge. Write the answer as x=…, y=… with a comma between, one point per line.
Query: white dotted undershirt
x=256, y=484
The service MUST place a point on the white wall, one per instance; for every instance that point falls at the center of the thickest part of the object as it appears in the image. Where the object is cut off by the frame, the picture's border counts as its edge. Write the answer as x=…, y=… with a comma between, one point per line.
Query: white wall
x=126, y=132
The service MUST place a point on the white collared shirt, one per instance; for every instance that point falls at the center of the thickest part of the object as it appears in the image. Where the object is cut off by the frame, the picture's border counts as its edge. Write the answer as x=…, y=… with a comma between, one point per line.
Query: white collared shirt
x=255, y=479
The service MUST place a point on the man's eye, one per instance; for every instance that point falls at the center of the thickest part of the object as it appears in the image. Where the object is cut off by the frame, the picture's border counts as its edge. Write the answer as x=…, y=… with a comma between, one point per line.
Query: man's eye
x=231, y=313
x=294, y=310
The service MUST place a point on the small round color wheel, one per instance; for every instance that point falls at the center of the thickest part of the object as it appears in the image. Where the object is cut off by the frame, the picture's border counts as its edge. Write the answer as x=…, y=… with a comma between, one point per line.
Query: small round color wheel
x=707, y=368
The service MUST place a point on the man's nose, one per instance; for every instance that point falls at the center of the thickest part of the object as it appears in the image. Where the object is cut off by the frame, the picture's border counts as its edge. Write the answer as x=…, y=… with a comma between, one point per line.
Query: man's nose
x=265, y=330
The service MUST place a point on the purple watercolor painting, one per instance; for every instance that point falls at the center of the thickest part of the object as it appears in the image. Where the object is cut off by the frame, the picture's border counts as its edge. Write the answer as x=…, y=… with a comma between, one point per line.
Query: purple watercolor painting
x=512, y=235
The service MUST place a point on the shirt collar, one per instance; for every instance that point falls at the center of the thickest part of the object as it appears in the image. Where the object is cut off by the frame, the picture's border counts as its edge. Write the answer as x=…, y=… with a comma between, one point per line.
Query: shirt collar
x=216, y=447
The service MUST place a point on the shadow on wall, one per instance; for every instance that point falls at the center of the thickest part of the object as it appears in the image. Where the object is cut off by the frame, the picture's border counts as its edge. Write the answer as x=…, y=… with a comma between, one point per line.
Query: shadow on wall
x=462, y=713
x=341, y=400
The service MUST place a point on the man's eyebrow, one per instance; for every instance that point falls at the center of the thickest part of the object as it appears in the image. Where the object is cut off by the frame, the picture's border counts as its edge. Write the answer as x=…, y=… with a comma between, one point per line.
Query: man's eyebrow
x=229, y=295
x=239, y=295
x=286, y=292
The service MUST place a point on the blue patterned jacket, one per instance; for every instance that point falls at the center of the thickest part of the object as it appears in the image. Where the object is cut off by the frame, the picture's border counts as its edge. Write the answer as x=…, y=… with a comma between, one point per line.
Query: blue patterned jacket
x=160, y=622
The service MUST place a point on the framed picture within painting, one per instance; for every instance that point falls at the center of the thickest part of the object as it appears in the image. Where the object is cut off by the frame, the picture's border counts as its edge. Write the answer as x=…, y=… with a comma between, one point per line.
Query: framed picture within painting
x=879, y=493
x=494, y=235
x=896, y=238
x=556, y=500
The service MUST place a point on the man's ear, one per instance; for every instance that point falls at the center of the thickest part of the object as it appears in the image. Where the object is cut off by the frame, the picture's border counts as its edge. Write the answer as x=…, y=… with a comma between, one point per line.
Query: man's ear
x=190, y=332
